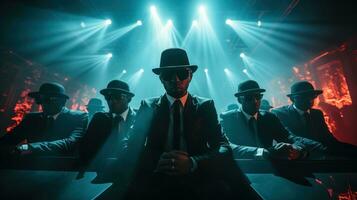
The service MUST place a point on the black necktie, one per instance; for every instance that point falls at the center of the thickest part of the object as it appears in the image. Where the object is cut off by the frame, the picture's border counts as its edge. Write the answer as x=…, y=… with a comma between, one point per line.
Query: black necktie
x=116, y=121
x=307, y=119
x=252, y=123
x=177, y=125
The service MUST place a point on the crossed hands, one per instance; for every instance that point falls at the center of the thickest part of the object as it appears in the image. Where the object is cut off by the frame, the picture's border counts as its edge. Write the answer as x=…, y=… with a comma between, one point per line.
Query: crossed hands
x=174, y=163
x=285, y=151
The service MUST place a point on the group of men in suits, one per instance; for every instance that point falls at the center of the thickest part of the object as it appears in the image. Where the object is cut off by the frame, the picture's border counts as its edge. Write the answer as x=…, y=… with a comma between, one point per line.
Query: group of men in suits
x=174, y=145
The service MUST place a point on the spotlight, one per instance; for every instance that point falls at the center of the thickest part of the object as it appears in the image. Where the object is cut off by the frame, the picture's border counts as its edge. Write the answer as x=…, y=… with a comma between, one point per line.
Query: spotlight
x=109, y=55
x=226, y=70
x=124, y=71
x=206, y=70
x=153, y=9
x=259, y=23
x=141, y=70
x=242, y=55
x=245, y=71
x=139, y=23
x=107, y=22
x=83, y=25
x=194, y=23
x=229, y=22
x=169, y=23
x=202, y=10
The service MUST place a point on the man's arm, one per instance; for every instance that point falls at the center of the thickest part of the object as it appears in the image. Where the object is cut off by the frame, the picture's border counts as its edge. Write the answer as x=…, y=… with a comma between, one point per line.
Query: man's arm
x=65, y=145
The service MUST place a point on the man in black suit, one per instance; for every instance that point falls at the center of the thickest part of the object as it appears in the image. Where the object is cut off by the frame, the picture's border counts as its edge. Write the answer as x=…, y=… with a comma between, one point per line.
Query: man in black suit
x=258, y=134
x=94, y=105
x=303, y=120
x=55, y=131
x=177, y=141
x=107, y=133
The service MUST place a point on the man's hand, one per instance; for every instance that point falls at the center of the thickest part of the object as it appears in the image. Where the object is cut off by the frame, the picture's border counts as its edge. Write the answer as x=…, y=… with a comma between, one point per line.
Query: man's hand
x=174, y=163
x=284, y=151
x=22, y=149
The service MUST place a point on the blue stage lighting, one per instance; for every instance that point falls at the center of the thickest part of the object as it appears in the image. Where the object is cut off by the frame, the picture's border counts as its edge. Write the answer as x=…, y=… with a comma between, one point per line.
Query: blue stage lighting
x=107, y=22
x=206, y=70
x=139, y=23
x=242, y=55
x=169, y=23
x=194, y=23
x=245, y=71
x=202, y=10
x=153, y=10
x=226, y=70
x=259, y=23
x=83, y=25
x=141, y=70
x=124, y=71
x=109, y=55
x=229, y=22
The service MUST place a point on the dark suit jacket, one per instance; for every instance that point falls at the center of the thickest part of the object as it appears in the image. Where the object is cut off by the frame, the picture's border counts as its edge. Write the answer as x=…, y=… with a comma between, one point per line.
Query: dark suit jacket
x=318, y=130
x=202, y=132
x=58, y=138
x=269, y=128
x=99, y=139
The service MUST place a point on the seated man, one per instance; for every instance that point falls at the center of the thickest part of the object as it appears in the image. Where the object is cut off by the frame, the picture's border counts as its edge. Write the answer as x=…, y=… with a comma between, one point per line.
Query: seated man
x=94, y=105
x=303, y=120
x=258, y=134
x=54, y=131
x=177, y=143
x=107, y=132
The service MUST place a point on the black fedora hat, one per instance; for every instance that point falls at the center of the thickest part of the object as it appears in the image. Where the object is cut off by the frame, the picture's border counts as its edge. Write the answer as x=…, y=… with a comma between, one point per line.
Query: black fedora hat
x=248, y=87
x=303, y=88
x=116, y=87
x=173, y=59
x=265, y=105
x=95, y=103
x=49, y=89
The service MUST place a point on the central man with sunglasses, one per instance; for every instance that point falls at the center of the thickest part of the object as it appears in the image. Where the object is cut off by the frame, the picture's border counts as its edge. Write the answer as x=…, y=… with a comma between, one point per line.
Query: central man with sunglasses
x=177, y=143
x=258, y=134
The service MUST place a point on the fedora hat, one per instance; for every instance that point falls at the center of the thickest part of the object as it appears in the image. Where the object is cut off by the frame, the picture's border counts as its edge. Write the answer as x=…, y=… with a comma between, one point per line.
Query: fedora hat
x=265, y=105
x=49, y=89
x=116, y=87
x=95, y=103
x=303, y=88
x=173, y=59
x=248, y=87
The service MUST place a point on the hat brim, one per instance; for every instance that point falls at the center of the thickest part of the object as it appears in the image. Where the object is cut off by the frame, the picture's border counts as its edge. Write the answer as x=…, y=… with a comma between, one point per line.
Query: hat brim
x=160, y=69
x=109, y=91
x=36, y=95
x=316, y=92
x=250, y=91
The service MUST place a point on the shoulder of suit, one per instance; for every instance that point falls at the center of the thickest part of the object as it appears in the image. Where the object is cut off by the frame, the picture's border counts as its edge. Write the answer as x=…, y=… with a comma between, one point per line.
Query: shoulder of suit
x=229, y=113
x=75, y=112
x=151, y=101
x=200, y=100
x=317, y=111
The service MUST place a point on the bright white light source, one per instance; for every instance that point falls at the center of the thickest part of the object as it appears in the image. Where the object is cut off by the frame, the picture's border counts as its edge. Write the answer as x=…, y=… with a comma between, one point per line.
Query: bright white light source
x=83, y=25
x=259, y=23
x=245, y=71
x=202, y=10
x=124, y=71
x=107, y=22
x=153, y=10
x=206, y=70
x=241, y=55
x=109, y=55
x=229, y=22
x=169, y=23
x=194, y=23
x=226, y=70
x=141, y=70
x=139, y=23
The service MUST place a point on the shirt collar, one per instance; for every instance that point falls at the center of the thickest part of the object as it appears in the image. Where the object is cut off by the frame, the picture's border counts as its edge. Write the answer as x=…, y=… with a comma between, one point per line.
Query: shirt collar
x=124, y=114
x=173, y=99
x=248, y=116
x=301, y=112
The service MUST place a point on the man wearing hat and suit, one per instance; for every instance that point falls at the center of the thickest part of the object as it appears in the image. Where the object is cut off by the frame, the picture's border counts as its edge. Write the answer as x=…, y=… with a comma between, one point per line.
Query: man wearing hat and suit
x=54, y=131
x=107, y=132
x=258, y=134
x=177, y=143
x=303, y=120
x=265, y=105
x=94, y=105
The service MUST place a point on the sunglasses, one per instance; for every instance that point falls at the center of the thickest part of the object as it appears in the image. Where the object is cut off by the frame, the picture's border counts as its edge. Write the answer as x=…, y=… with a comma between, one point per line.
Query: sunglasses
x=116, y=97
x=171, y=75
x=257, y=97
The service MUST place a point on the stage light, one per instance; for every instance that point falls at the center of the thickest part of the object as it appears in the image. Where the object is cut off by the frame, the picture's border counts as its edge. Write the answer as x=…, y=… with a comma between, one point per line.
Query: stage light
x=202, y=10
x=229, y=22
x=226, y=70
x=83, y=25
x=245, y=71
x=141, y=70
x=109, y=55
x=139, y=23
x=194, y=23
x=169, y=23
x=107, y=22
x=242, y=55
x=124, y=71
x=153, y=10
x=206, y=70
x=259, y=23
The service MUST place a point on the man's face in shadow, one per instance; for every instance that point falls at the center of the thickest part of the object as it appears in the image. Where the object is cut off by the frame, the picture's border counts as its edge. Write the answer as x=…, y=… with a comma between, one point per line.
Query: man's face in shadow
x=250, y=102
x=118, y=103
x=51, y=105
x=304, y=102
x=176, y=82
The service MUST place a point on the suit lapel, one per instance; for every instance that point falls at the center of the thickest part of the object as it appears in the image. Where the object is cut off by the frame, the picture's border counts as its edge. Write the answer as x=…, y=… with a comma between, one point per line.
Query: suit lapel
x=161, y=116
